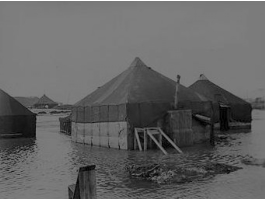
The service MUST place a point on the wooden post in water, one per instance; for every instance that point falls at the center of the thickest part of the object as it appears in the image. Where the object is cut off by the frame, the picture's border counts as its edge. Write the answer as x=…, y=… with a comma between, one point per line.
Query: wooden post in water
x=85, y=187
x=212, y=139
x=177, y=91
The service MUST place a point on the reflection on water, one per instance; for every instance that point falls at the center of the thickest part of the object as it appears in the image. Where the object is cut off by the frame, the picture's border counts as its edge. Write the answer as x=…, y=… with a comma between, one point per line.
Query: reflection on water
x=43, y=168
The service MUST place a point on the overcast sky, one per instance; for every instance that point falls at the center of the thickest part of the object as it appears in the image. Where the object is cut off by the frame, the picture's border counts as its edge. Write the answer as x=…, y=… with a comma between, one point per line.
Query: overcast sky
x=68, y=49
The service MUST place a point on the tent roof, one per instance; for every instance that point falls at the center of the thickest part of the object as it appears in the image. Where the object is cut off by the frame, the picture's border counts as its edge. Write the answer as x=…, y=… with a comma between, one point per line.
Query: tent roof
x=45, y=100
x=213, y=92
x=203, y=77
x=11, y=107
x=139, y=83
x=27, y=101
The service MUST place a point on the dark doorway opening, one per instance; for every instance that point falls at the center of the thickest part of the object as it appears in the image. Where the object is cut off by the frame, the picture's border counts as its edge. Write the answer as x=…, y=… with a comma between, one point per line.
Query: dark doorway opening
x=224, y=117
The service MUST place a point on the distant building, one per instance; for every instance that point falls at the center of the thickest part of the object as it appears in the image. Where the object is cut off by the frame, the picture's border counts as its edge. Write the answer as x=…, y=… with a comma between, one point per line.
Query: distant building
x=15, y=119
x=45, y=102
x=27, y=101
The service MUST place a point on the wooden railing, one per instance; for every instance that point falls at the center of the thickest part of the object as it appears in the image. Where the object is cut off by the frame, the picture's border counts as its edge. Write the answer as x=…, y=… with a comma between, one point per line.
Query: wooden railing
x=152, y=132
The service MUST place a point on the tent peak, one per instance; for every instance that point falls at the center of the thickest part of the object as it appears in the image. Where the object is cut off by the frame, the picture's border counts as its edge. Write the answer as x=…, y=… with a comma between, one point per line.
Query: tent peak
x=203, y=78
x=138, y=63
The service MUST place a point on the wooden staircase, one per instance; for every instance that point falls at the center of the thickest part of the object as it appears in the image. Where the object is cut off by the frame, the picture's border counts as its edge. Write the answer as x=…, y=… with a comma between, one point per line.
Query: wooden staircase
x=156, y=135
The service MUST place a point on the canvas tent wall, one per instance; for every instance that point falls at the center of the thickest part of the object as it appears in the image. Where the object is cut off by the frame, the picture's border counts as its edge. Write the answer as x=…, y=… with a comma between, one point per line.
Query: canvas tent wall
x=45, y=102
x=15, y=118
x=240, y=110
x=138, y=97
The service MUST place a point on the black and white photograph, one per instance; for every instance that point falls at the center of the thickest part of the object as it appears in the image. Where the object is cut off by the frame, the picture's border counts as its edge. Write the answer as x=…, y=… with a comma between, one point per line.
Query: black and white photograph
x=132, y=100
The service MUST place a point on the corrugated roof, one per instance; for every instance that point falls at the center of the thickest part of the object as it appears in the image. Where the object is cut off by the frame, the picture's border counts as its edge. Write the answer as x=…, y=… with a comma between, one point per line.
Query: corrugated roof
x=213, y=92
x=11, y=107
x=139, y=83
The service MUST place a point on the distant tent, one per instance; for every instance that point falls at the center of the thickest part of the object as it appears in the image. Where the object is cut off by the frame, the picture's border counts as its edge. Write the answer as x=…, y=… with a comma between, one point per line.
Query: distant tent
x=138, y=97
x=240, y=110
x=15, y=119
x=45, y=102
x=27, y=101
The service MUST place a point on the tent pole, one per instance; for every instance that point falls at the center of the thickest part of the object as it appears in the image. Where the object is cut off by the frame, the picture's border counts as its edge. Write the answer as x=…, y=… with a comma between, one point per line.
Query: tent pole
x=177, y=91
x=212, y=139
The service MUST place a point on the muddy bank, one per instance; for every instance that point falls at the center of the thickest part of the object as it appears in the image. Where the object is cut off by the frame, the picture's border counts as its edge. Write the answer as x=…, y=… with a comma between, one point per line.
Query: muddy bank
x=163, y=174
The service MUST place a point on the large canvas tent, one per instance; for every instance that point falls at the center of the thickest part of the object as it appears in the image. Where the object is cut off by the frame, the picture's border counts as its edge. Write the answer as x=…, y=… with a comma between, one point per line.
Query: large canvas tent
x=15, y=119
x=45, y=102
x=240, y=110
x=138, y=97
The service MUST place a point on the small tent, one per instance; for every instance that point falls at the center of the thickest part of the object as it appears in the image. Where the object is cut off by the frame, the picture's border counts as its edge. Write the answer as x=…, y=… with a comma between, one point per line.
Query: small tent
x=45, y=102
x=138, y=97
x=15, y=119
x=226, y=104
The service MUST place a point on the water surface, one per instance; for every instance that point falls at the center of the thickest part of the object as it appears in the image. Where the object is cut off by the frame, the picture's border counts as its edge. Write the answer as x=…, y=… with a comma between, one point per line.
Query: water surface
x=43, y=168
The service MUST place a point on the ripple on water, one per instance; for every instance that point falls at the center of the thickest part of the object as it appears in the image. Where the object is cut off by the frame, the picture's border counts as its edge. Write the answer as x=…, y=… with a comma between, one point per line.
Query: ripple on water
x=43, y=168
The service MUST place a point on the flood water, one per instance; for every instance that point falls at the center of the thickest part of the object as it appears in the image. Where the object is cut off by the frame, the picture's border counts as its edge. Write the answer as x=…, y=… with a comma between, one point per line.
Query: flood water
x=43, y=168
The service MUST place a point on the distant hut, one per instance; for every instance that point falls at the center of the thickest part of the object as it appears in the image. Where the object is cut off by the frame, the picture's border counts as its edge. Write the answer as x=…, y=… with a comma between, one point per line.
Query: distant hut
x=27, y=101
x=228, y=107
x=15, y=119
x=45, y=102
x=138, y=97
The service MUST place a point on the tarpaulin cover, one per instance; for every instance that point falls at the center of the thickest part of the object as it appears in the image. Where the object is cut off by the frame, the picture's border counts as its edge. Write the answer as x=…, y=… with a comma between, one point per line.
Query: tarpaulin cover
x=138, y=84
x=202, y=108
x=146, y=114
x=88, y=114
x=95, y=114
x=241, y=112
x=81, y=114
x=27, y=101
x=11, y=107
x=240, y=109
x=139, y=94
x=122, y=112
x=74, y=114
x=23, y=124
x=112, y=113
x=104, y=113
x=15, y=118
